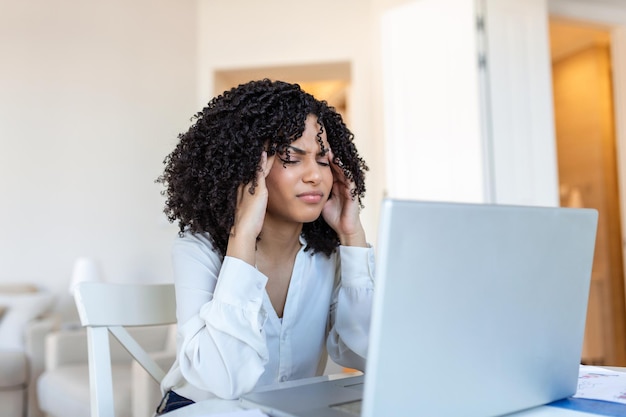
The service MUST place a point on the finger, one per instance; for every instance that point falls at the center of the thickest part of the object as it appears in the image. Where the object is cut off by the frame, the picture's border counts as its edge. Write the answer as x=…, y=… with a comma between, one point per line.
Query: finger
x=263, y=163
x=339, y=174
x=240, y=191
x=269, y=164
x=336, y=166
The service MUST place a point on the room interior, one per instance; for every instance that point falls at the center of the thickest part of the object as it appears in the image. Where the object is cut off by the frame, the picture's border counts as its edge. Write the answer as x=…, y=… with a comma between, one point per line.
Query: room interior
x=586, y=147
x=88, y=119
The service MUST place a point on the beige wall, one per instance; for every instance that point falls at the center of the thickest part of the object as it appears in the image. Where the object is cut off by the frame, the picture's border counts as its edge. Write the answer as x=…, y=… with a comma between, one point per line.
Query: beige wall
x=92, y=96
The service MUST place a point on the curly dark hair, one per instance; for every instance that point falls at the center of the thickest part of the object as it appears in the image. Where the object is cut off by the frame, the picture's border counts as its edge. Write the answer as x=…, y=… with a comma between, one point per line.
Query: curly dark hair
x=223, y=147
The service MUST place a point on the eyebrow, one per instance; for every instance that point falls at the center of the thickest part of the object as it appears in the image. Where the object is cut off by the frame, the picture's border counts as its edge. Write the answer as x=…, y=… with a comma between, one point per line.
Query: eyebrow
x=303, y=152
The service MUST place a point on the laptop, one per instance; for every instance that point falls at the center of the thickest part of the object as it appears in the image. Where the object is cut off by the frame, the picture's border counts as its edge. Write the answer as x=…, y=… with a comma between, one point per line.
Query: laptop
x=479, y=310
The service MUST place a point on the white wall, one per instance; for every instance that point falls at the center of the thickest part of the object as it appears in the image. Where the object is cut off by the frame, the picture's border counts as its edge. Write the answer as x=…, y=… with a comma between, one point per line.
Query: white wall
x=92, y=97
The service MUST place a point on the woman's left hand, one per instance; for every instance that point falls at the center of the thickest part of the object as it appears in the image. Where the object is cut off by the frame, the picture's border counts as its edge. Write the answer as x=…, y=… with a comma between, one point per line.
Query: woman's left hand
x=341, y=211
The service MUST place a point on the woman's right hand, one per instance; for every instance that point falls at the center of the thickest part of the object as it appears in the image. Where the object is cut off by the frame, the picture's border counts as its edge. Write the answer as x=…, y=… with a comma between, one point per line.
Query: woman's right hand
x=250, y=214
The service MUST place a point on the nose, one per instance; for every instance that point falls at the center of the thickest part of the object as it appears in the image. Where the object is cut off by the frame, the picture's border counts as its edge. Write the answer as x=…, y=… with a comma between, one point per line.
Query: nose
x=312, y=172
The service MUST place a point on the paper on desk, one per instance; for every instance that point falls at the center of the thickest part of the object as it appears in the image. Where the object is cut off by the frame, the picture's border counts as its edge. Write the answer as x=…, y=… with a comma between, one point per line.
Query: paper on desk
x=597, y=383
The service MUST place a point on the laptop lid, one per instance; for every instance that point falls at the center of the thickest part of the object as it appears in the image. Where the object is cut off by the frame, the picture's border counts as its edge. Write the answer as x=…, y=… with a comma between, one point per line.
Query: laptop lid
x=479, y=310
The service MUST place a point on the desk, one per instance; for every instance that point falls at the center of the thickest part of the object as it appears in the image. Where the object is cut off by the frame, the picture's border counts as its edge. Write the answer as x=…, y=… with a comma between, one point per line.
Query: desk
x=216, y=406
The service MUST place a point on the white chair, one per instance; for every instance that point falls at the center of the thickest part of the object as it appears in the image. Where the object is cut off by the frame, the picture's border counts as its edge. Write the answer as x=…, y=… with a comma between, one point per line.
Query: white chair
x=108, y=308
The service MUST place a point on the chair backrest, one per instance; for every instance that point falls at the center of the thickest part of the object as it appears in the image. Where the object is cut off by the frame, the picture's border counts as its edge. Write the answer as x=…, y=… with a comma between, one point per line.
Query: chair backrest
x=108, y=308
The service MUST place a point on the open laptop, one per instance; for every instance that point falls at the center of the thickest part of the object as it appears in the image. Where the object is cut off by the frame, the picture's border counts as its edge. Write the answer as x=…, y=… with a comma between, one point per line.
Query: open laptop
x=479, y=310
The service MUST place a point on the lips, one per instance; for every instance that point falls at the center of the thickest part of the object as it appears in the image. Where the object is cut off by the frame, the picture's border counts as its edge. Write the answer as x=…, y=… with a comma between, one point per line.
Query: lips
x=311, y=197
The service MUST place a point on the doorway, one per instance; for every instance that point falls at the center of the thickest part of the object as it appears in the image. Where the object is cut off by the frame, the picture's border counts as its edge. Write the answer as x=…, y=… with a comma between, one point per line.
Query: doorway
x=588, y=172
x=326, y=81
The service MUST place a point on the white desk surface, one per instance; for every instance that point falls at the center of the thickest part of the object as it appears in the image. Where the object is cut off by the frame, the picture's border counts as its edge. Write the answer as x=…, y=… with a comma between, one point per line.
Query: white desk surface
x=218, y=407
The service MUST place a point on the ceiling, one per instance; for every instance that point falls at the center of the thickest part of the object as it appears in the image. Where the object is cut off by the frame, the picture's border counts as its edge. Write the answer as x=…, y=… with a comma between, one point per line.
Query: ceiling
x=568, y=36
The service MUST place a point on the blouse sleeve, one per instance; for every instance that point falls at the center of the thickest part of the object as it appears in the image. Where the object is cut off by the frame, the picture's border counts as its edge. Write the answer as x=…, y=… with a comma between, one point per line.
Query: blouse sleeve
x=220, y=319
x=350, y=311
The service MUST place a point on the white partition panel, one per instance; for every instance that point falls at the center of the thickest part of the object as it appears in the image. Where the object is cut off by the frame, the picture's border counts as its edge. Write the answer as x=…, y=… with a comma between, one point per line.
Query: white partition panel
x=468, y=102
x=432, y=126
x=520, y=96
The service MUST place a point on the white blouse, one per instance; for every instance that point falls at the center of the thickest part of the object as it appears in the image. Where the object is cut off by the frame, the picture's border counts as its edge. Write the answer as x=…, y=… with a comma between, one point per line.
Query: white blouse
x=231, y=340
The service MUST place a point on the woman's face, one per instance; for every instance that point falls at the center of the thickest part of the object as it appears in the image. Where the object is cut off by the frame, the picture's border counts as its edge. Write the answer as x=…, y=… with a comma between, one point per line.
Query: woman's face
x=300, y=180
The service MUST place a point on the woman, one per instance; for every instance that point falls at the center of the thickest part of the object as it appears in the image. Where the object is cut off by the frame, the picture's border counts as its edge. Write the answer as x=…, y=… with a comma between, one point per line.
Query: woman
x=272, y=268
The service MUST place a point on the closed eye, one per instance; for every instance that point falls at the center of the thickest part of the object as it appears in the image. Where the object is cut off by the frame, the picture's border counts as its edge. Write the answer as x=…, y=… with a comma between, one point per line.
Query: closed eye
x=292, y=155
